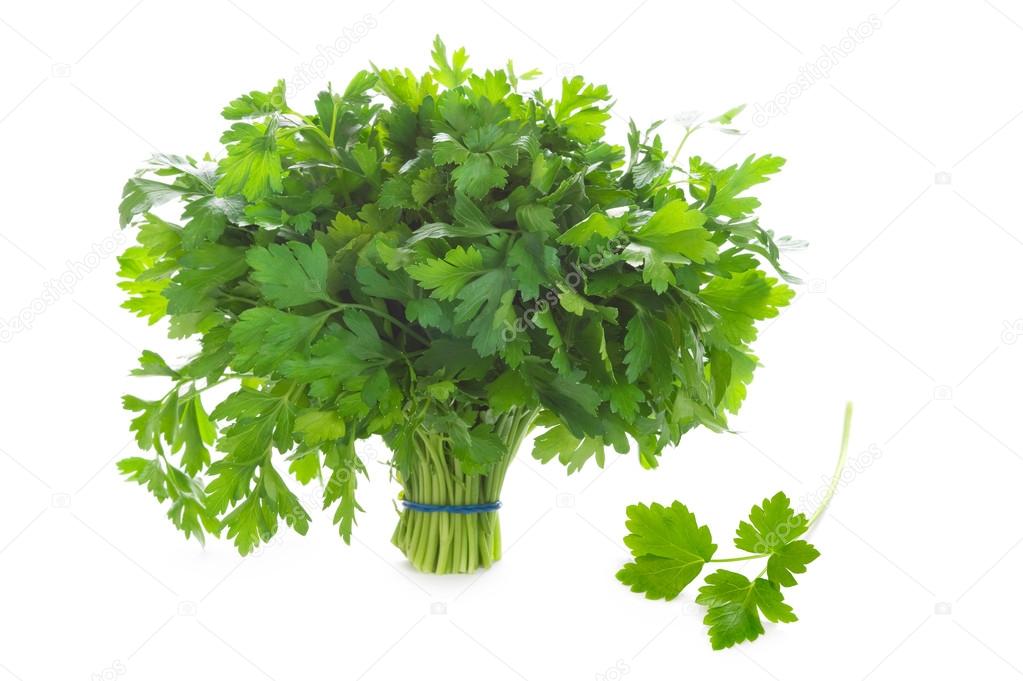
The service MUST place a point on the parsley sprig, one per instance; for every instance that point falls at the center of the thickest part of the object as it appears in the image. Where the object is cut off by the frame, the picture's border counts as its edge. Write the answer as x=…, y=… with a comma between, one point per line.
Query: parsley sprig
x=670, y=550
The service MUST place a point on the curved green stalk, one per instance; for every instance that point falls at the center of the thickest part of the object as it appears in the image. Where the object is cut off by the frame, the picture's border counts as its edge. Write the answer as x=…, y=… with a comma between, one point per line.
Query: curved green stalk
x=839, y=466
x=736, y=559
x=832, y=487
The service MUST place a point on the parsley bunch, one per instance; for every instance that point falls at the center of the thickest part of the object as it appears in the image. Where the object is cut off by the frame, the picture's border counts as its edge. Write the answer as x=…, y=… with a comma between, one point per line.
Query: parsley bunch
x=444, y=260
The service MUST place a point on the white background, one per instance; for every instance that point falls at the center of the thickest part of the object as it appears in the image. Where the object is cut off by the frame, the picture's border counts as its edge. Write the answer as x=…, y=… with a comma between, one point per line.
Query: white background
x=903, y=174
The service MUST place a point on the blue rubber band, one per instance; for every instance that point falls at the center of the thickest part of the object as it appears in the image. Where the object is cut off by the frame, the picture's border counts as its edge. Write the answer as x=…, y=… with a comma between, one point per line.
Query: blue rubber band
x=468, y=509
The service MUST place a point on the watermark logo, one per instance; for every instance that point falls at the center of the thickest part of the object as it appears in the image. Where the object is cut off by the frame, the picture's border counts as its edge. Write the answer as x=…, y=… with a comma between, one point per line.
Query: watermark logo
x=1012, y=331
x=526, y=321
x=75, y=271
x=615, y=672
x=815, y=71
x=854, y=467
x=115, y=670
x=313, y=71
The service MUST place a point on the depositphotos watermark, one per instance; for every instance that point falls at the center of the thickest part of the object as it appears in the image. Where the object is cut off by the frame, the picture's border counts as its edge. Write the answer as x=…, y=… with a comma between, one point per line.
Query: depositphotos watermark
x=114, y=670
x=64, y=285
x=573, y=280
x=811, y=503
x=312, y=72
x=814, y=71
x=1012, y=331
x=616, y=672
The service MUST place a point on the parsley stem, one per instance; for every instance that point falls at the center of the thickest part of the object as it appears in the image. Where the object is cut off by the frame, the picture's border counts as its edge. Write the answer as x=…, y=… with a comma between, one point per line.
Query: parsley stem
x=227, y=376
x=734, y=559
x=385, y=315
x=839, y=467
x=240, y=299
x=678, y=149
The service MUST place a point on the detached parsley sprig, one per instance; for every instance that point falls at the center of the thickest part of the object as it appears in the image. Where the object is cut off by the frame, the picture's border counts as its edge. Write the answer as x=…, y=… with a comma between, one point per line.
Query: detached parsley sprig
x=671, y=550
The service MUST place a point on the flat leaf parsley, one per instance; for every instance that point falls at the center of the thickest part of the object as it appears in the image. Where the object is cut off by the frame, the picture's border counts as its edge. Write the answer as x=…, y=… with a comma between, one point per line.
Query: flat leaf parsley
x=445, y=261
x=670, y=550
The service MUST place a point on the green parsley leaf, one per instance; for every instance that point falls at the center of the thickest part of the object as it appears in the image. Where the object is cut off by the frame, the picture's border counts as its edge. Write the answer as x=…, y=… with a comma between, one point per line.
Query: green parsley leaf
x=448, y=276
x=290, y=275
x=670, y=549
x=735, y=605
x=595, y=224
x=743, y=299
x=319, y=426
x=571, y=451
x=257, y=104
x=252, y=166
x=264, y=337
x=774, y=528
x=730, y=182
x=450, y=74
